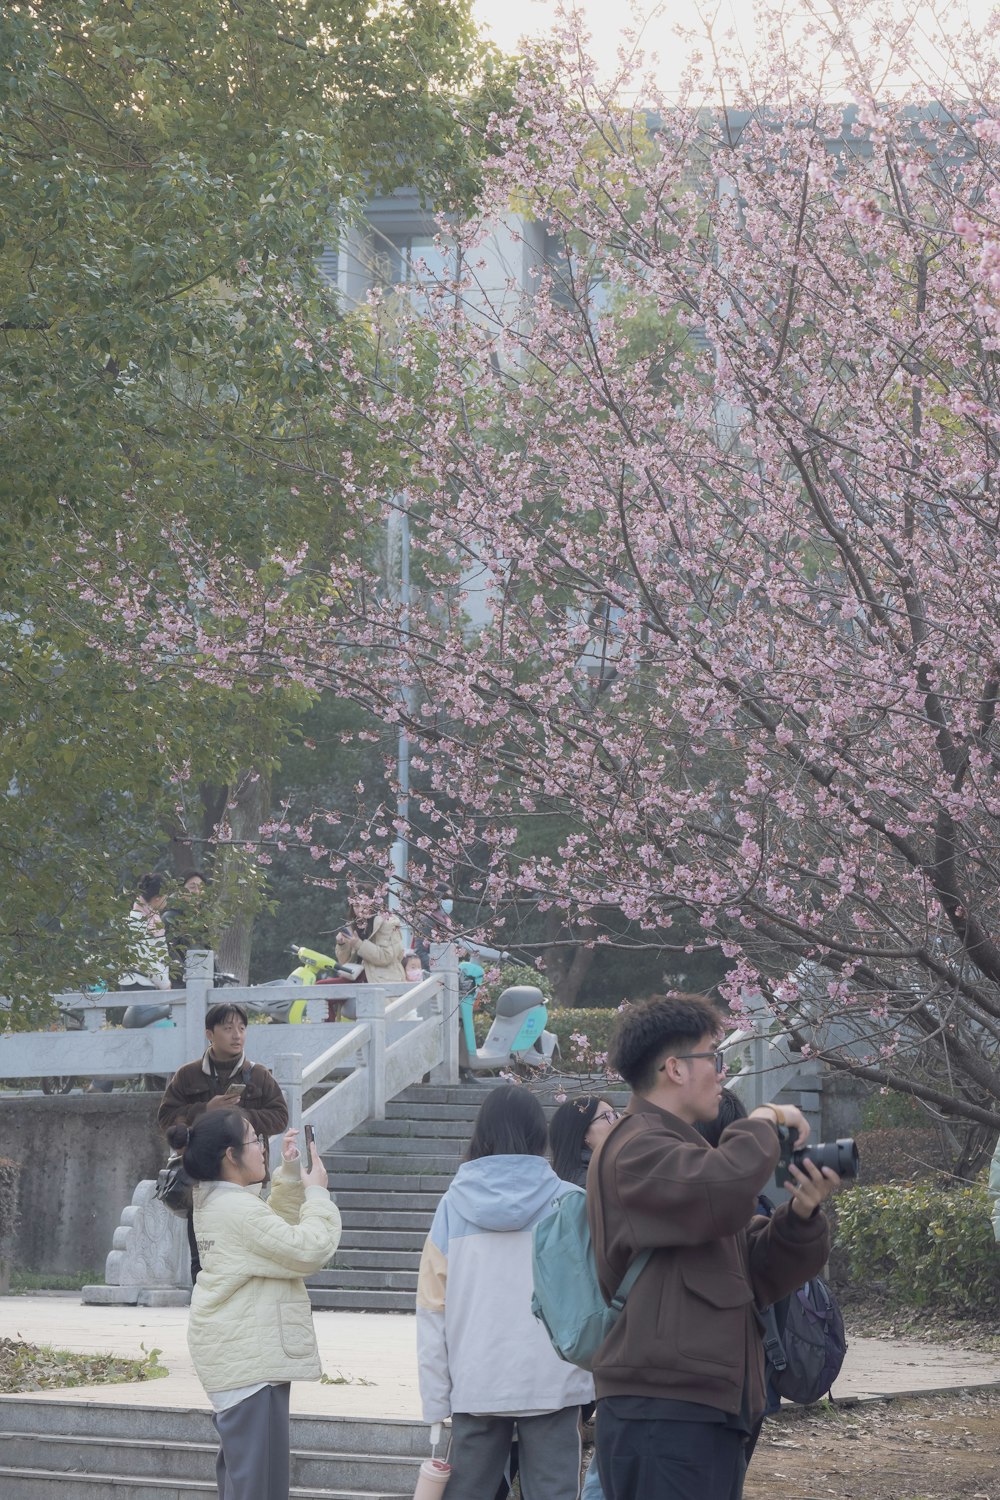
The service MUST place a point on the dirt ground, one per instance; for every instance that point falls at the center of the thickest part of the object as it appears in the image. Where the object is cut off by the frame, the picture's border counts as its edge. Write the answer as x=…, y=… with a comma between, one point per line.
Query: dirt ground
x=922, y=1448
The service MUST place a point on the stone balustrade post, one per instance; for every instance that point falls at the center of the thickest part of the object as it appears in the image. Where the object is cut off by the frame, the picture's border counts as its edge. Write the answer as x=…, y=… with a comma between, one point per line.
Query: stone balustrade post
x=371, y=1009
x=199, y=973
x=444, y=963
x=288, y=1077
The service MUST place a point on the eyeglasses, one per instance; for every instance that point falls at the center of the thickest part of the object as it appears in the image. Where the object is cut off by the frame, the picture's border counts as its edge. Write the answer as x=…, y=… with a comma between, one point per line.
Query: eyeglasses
x=251, y=1139
x=715, y=1054
x=611, y=1115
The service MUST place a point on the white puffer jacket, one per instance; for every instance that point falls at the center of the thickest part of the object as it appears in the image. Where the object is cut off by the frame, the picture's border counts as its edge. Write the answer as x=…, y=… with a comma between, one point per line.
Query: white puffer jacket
x=250, y=1316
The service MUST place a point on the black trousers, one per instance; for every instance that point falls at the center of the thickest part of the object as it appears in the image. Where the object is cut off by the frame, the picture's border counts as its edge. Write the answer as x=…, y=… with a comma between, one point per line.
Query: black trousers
x=664, y=1460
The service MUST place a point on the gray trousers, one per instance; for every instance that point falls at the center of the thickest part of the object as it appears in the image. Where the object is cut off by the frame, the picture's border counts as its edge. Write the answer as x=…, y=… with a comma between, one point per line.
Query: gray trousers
x=253, y=1447
x=548, y=1455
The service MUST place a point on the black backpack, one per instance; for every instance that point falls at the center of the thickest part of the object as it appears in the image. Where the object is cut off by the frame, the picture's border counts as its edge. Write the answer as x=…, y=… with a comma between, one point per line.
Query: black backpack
x=805, y=1356
x=174, y=1188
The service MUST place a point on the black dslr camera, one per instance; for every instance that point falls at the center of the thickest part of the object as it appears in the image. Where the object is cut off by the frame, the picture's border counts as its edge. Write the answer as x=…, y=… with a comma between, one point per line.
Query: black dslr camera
x=842, y=1156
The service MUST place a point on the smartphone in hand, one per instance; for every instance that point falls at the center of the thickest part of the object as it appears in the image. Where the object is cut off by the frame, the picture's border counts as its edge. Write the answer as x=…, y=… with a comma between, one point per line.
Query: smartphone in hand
x=310, y=1136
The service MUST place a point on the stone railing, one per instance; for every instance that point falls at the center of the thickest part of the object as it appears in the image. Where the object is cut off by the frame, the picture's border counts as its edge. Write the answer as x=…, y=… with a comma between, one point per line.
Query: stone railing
x=402, y=1031
x=334, y=1075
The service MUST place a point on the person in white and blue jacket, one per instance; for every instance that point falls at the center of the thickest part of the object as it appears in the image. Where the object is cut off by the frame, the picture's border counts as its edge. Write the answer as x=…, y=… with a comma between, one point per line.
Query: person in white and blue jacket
x=484, y=1360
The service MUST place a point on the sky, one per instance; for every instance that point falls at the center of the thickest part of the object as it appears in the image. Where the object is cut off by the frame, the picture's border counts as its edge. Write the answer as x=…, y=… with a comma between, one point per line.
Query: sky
x=508, y=20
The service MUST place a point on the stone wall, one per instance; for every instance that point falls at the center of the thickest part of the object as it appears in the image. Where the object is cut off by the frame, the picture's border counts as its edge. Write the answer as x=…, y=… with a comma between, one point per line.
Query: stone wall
x=82, y=1156
x=844, y=1098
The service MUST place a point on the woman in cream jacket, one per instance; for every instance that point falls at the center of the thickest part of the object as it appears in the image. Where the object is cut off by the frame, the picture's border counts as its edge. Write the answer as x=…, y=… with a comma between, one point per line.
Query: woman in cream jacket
x=250, y=1332
x=376, y=942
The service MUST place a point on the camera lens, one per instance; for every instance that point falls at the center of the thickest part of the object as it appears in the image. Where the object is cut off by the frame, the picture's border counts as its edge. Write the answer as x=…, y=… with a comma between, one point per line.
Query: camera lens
x=842, y=1156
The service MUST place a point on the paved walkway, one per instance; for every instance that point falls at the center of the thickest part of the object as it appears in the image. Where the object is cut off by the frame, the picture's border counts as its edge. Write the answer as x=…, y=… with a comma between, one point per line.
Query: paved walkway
x=371, y=1358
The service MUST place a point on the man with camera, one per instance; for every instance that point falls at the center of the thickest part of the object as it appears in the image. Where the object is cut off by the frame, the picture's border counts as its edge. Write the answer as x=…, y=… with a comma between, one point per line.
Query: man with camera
x=680, y=1378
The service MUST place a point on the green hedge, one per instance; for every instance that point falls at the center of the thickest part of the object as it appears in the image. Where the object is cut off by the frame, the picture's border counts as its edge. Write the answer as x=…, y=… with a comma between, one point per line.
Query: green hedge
x=10, y=1180
x=930, y=1246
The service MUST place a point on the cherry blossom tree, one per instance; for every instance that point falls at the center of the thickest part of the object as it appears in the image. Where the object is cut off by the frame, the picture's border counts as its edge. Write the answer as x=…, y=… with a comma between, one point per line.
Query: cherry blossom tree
x=741, y=586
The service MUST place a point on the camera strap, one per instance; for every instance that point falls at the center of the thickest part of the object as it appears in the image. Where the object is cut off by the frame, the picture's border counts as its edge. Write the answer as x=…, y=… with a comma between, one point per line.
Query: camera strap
x=774, y=1349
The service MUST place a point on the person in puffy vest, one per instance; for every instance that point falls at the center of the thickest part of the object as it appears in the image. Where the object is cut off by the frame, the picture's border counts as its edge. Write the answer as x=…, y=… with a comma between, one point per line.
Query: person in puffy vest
x=250, y=1332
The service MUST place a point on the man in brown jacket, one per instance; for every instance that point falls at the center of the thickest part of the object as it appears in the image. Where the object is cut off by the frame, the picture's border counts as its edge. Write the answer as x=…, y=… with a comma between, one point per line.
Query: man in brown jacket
x=680, y=1379
x=223, y=1079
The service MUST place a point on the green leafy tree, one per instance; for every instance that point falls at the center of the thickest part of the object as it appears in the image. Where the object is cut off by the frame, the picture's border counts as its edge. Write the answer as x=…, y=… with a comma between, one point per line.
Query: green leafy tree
x=170, y=174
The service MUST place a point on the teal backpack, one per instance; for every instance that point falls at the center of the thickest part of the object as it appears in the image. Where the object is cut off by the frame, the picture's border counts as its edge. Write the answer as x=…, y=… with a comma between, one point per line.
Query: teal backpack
x=567, y=1298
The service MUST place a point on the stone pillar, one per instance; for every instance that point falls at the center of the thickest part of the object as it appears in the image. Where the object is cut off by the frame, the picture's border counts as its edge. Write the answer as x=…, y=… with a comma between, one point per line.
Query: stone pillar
x=149, y=1263
x=371, y=1011
x=444, y=962
x=288, y=1077
x=199, y=971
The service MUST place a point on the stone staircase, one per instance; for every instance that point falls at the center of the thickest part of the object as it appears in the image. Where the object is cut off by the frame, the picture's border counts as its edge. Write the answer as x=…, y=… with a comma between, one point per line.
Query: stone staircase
x=387, y=1178
x=65, y=1450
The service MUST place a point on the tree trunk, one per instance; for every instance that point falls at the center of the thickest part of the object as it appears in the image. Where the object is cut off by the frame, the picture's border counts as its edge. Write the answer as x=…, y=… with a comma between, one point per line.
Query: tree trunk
x=568, y=965
x=237, y=874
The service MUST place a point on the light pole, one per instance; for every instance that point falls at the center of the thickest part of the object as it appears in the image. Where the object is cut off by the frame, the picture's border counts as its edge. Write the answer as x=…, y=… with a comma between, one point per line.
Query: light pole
x=399, y=521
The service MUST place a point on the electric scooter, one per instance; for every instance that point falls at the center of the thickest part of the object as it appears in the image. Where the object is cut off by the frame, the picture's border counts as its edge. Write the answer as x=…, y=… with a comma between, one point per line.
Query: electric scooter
x=518, y=1034
x=314, y=968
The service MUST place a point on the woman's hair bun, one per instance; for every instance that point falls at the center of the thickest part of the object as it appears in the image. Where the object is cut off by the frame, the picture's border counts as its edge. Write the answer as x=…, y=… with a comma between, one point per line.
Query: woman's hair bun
x=178, y=1137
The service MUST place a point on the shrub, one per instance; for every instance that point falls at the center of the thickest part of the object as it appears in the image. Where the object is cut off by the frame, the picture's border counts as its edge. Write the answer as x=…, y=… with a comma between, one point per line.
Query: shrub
x=10, y=1181
x=929, y=1245
x=511, y=974
x=584, y=1037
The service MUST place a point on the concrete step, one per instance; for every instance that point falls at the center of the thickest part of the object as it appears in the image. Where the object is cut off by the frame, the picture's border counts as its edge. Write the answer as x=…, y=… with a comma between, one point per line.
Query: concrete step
x=417, y=1166
x=53, y=1484
x=396, y=1279
x=368, y=1198
x=386, y=1218
x=402, y=1108
x=145, y=1458
x=397, y=1110
x=473, y=1092
x=408, y=1145
x=372, y=1260
x=140, y=1417
x=384, y=1239
x=388, y=1182
x=346, y=1299
x=407, y=1130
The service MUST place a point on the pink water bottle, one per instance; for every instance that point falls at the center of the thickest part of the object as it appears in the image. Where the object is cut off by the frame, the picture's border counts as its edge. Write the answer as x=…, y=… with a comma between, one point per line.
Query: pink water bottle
x=434, y=1472
x=434, y=1475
